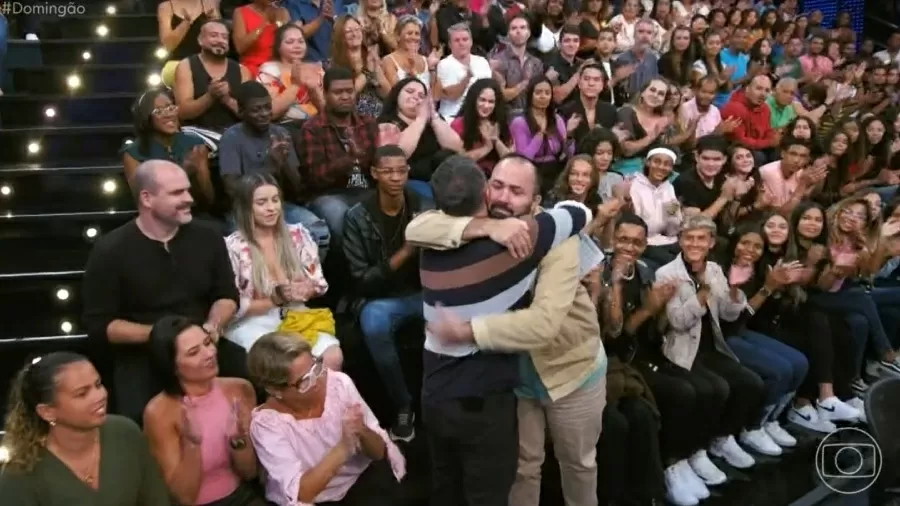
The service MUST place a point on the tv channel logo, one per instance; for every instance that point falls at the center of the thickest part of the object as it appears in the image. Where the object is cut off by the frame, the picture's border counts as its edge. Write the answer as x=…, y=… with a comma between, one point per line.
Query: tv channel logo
x=848, y=461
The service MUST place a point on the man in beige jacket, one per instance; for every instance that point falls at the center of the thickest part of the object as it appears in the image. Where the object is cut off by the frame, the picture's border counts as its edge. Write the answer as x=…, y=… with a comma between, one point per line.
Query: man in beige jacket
x=563, y=383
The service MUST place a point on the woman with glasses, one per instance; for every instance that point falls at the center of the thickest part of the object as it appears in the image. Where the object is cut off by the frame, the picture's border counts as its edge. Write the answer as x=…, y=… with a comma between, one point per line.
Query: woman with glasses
x=158, y=136
x=198, y=425
x=315, y=435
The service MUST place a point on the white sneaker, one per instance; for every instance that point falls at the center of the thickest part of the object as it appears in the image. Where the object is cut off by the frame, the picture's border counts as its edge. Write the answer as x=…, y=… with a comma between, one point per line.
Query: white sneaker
x=692, y=481
x=834, y=409
x=705, y=469
x=759, y=441
x=860, y=406
x=31, y=37
x=807, y=417
x=728, y=449
x=883, y=368
x=679, y=492
x=781, y=437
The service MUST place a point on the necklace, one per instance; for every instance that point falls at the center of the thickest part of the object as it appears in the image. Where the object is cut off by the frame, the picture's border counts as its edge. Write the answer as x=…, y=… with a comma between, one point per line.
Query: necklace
x=93, y=465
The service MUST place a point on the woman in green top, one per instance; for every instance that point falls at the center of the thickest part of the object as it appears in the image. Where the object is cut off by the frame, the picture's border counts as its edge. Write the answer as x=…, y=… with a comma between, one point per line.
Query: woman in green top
x=65, y=450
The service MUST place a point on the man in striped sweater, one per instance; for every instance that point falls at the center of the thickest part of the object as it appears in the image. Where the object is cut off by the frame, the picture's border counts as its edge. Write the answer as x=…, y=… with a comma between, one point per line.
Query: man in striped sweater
x=468, y=403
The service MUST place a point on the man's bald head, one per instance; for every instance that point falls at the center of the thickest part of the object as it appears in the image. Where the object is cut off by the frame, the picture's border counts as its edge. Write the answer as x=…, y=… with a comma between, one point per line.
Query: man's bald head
x=514, y=188
x=146, y=176
x=162, y=190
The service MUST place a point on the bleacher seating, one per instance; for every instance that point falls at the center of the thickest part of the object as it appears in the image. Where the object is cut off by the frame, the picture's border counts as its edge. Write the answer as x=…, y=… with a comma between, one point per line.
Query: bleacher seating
x=65, y=115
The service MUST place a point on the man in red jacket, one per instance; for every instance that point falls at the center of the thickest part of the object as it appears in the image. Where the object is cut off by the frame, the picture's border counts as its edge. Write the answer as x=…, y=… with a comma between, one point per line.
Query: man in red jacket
x=754, y=131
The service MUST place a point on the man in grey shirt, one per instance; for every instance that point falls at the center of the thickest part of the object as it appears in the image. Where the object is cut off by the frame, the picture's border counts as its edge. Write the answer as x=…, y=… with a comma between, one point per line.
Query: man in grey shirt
x=255, y=145
x=642, y=57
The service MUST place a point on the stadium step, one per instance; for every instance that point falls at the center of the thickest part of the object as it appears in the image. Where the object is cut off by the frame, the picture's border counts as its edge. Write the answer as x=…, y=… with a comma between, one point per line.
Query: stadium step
x=59, y=145
x=99, y=24
x=89, y=78
x=58, y=192
x=24, y=53
x=40, y=304
x=21, y=110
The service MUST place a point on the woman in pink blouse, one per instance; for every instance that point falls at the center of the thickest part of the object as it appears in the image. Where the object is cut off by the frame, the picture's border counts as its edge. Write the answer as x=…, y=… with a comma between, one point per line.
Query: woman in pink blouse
x=315, y=436
x=541, y=134
x=814, y=63
x=276, y=268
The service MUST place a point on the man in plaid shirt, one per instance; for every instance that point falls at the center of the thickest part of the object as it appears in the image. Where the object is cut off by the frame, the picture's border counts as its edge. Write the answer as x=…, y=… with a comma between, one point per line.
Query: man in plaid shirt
x=336, y=149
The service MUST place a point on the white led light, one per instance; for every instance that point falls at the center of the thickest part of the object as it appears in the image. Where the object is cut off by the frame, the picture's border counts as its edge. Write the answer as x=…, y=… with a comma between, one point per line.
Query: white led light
x=86, y=55
x=50, y=112
x=161, y=53
x=102, y=31
x=65, y=326
x=34, y=148
x=111, y=10
x=91, y=232
x=154, y=79
x=6, y=190
x=109, y=186
x=4, y=454
x=73, y=82
x=128, y=141
x=62, y=294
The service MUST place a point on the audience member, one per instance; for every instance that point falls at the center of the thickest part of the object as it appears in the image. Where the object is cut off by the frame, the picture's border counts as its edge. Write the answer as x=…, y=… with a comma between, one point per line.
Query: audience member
x=254, y=28
x=294, y=84
x=653, y=199
x=277, y=272
x=180, y=22
x=156, y=265
x=754, y=128
x=587, y=106
x=384, y=268
x=204, y=81
x=460, y=69
x=57, y=432
x=349, y=50
x=514, y=66
x=468, y=403
x=406, y=60
x=482, y=125
x=316, y=438
x=198, y=426
x=638, y=54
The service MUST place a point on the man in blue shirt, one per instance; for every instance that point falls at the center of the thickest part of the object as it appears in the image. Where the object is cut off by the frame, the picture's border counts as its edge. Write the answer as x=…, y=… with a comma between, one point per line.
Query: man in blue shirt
x=736, y=58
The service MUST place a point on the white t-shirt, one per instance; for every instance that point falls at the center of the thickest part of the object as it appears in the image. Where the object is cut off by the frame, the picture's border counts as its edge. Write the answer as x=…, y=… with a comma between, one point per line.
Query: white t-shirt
x=451, y=72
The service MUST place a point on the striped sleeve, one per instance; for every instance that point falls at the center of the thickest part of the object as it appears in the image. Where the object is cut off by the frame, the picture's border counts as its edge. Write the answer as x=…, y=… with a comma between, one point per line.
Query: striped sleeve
x=556, y=225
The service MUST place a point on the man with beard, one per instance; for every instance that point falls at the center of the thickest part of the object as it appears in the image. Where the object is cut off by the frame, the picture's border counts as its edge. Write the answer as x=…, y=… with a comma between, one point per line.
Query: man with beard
x=204, y=82
x=754, y=132
x=561, y=381
x=255, y=145
x=640, y=58
x=159, y=264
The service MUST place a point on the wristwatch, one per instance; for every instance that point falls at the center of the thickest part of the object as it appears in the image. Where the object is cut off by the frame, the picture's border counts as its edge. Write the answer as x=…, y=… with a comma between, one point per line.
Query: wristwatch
x=238, y=442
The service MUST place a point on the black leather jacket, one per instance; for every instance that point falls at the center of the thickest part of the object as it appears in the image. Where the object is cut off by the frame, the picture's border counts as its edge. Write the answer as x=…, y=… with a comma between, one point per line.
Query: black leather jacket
x=640, y=346
x=366, y=250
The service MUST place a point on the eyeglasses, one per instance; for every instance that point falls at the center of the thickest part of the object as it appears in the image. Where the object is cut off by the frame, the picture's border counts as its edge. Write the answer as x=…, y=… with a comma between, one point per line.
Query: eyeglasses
x=164, y=111
x=308, y=380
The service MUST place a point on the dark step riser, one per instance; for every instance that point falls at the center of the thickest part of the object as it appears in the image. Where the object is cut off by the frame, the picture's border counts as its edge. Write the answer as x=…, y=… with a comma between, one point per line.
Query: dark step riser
x=60, y=149
x=104, y=80
x=72, y=111
x=21, y=56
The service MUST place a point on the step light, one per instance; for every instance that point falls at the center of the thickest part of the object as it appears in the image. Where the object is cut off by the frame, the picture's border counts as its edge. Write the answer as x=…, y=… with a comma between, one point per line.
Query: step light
x=161, y=53
x=128, y=141
x=86, y=56
x=102, y=31
x=66, y=327
x=73, y=81
x=6, y=190
x=154, y=79
x=110, y=187
x=62, y=294
x=4, y=454
x=50, y=112
x=111, y=10
x=91, y=233
x=34, y=147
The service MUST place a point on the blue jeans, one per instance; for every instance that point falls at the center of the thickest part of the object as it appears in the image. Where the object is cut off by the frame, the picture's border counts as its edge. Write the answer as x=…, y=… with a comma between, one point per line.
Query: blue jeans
x=862, y=317
x=887, y=300
x=332, y=208
x=420, y=188
x=378, y=320
x=294, y=214
x=781, y=367
x=885, y=192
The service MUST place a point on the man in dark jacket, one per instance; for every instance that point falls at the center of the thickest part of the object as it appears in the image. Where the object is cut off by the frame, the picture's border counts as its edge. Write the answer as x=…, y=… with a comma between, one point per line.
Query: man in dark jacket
x=385, y=273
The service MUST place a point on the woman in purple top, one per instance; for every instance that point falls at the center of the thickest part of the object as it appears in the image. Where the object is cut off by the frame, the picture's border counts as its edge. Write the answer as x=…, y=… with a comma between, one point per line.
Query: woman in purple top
x=541, y=134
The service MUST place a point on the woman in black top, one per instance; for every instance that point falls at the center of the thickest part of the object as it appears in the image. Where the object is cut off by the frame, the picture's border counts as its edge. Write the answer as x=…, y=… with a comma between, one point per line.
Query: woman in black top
x=409, y=121
x=179, y=29
x=675, y=65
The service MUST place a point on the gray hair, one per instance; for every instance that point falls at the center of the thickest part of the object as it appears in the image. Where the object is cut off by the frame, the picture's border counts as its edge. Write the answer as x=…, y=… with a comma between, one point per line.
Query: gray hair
x=698, y=222
x=460, y=27
x=269, y=359
x=784, y=82
x=645, y=21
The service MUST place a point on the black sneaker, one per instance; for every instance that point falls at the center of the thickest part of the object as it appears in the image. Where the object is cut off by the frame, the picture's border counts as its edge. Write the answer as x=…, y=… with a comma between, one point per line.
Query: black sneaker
x=404, y=428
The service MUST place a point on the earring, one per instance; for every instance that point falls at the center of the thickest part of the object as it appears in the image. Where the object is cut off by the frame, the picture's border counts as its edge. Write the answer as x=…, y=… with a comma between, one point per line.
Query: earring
x=52, y=423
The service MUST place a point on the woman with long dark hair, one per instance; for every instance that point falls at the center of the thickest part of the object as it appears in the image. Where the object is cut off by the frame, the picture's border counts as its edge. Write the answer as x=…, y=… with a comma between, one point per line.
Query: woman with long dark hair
x=483, y=125
x=676, y=63
x=295, y=85
x=541, y=133
x=198, y=426
x=408, y=120
x=64, y=448
x=158, y=136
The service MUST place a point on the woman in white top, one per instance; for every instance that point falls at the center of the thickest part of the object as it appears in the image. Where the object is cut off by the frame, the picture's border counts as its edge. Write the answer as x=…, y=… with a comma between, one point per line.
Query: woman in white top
x=406, y=60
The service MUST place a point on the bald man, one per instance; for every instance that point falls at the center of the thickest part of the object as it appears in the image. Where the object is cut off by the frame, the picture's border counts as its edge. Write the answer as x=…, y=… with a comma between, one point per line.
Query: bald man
x=781, y=103
x=755, y=130
x=159, y=264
